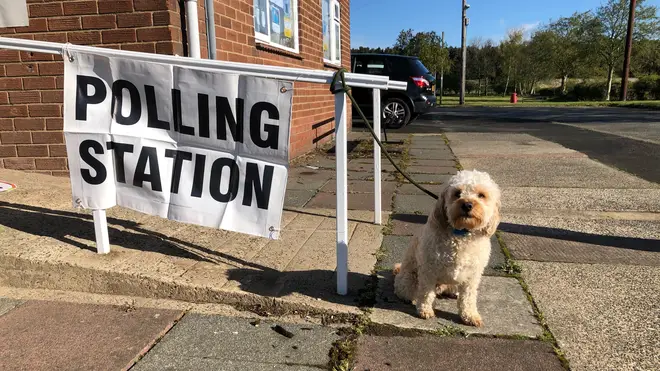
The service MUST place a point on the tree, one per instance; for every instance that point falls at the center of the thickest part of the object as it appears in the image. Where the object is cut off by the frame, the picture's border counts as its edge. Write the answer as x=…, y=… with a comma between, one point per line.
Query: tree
x=511, y=50
x=427, y=46
x=608, y=29
x=567, y=41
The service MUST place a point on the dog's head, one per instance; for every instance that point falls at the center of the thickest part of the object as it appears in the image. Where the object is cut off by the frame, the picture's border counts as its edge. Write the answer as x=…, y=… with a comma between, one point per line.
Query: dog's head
x=470, y=202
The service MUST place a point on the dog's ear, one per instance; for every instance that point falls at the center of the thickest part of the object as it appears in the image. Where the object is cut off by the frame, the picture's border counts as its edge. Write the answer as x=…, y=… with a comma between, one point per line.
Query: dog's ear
x=494, y=221
x=440, y=211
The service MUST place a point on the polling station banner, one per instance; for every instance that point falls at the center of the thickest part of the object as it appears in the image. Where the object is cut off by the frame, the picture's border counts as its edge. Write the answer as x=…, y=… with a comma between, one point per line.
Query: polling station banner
x=186, y=144
x=13, y=13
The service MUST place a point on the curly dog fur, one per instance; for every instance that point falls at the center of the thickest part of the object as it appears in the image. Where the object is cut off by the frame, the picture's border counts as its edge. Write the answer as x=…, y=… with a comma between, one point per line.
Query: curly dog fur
x=449, y=254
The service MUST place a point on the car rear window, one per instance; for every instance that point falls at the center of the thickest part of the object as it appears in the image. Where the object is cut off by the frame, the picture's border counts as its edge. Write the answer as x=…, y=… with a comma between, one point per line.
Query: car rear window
x=418, y=67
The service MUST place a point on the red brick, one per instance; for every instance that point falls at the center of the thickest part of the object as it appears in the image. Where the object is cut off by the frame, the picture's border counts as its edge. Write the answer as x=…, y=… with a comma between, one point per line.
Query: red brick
x=116, y=6
x=32, y=56
x=99, y=21
x=64, y=24
x=32, y=151
x=45, y=110
x=80, y=7
x=46, y=82
x=6, y=124
x=22, y=69
x=134, y=20
x=50, y=163
x=166, y=18
x=54, y=124
x=59, y=82
x=118, y=36
x=7, y=151
x=57, y=150
x=10, y=83
x=13, y=111
x=47, y=137
x=4, y=97
x=19, y=163
x=15, y=137
x=142, y=47
x=29, y=124
x=150, y=4
x=165, y=48
x=28, y=96
x=49, y=69
x=9, y=56
x=2, y=71
x=60, y=173
x=52, y=96
x=54, y=37
x=155, y=34
x=36, y=25
x=45, y=10
x=84, y=37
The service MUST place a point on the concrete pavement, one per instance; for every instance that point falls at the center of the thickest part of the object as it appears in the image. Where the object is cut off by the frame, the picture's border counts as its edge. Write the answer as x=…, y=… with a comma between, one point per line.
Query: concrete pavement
x=586, y=236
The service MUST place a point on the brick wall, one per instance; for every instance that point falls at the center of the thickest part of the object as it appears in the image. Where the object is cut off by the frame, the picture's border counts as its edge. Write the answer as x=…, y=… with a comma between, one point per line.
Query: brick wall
x=313, y=104
x=31, y=94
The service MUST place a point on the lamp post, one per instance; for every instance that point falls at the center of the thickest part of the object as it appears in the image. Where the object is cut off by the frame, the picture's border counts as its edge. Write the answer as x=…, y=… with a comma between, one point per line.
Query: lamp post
x=464, y=24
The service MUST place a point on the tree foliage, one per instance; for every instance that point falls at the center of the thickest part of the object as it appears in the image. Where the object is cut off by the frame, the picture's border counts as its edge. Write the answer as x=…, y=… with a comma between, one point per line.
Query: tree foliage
x=584, y=46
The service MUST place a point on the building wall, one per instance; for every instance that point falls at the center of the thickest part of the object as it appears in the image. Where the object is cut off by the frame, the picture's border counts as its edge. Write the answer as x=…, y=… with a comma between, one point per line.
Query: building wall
x=31, y=94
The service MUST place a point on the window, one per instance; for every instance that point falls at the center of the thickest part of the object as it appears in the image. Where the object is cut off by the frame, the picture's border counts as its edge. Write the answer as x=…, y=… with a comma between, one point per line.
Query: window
x=276, y=23
x=331, y=31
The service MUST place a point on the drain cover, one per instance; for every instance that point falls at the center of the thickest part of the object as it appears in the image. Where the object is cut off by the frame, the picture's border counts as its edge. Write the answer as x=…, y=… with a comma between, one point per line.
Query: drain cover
x=4, y=186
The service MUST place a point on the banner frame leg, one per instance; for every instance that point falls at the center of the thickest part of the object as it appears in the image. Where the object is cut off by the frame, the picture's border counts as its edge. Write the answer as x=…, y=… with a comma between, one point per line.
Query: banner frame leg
x=341, y=155
x=378, y=207
x=101, y=232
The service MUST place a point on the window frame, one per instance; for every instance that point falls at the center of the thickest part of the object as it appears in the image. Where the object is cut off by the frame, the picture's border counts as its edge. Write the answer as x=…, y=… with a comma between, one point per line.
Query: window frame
x=334, y=20
x=262, y=38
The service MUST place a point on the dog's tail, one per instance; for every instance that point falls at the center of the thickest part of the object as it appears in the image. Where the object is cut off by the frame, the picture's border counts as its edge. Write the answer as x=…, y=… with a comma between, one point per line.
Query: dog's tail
x=397, y=268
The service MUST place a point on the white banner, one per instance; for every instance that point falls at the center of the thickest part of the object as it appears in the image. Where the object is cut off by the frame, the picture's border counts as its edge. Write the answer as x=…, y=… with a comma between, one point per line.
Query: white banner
x=186, y=144
x=13, y=13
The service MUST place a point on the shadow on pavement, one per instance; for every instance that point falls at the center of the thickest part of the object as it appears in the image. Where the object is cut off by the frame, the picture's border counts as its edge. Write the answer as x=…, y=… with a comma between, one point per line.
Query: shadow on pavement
x=630, y=243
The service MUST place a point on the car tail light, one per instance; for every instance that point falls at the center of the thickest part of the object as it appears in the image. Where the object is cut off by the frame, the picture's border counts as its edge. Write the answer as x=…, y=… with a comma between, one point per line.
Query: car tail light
x=421, y=82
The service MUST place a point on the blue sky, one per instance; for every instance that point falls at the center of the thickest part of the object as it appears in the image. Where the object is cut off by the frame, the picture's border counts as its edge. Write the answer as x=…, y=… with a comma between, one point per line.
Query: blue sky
x=378, y=22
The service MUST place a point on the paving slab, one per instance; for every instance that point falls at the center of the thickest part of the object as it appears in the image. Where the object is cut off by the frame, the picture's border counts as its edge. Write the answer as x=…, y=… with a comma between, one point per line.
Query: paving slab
x=361, y=186
x=407, y=224
x=411, y=189
x=413, y=204
x=431, y=154
x=582, y=199
x=422, y=162
x=429, y=178
x=501, y=302
x=555, y=172
x=356, y=201
x=498, y=147
x=421, y=169
x=428, y=352
x=608, y=250
x=603, y=316
x=202, y=341
x=298, y=198
x=7, y=305
x=58, y=336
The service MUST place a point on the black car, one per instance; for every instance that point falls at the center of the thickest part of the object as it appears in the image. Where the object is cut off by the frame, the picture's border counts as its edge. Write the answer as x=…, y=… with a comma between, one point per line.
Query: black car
x=398, y=107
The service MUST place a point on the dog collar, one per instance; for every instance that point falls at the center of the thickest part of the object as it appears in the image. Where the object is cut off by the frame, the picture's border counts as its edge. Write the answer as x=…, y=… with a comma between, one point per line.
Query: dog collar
x=460, y=232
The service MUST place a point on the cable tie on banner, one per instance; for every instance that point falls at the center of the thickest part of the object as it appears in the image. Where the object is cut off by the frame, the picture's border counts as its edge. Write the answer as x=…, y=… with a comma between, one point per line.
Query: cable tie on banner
x=67, y=52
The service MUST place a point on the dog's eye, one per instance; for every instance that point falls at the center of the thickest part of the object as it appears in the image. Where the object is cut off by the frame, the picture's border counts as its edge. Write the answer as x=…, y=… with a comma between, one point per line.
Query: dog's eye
x=481, y=195
x=457, y=194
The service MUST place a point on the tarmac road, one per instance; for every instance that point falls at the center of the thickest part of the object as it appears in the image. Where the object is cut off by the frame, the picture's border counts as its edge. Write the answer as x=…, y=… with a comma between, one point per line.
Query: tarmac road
x=623, y=138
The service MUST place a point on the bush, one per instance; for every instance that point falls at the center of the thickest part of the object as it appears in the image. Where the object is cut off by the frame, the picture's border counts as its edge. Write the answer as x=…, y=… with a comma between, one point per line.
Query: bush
x=547, y=92
x=647, y=87
x=588, y=91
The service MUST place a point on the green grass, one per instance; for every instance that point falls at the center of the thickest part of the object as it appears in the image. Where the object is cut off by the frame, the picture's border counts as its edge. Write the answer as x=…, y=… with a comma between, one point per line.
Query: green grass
x=500, y=101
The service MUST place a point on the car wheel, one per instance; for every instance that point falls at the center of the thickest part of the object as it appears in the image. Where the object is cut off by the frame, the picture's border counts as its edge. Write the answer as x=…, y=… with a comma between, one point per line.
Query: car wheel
x=396, y=113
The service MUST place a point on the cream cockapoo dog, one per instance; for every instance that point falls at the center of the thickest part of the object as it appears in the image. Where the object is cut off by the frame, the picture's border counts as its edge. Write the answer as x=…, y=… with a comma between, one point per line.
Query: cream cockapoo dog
x=449, y=254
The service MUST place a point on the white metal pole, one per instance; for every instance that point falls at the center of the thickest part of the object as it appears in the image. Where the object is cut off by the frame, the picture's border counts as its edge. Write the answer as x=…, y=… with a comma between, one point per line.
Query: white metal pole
x=101, y=232
x=377, y=166
x=193, y=29
x=341, y=155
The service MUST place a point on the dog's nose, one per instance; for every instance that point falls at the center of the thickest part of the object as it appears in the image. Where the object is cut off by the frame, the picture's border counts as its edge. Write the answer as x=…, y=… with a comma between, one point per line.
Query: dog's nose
x=467, y=206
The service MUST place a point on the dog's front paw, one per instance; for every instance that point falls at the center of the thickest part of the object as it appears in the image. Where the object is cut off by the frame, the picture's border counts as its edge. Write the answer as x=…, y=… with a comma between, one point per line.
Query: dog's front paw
x=426, y=312
x=472, y=319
